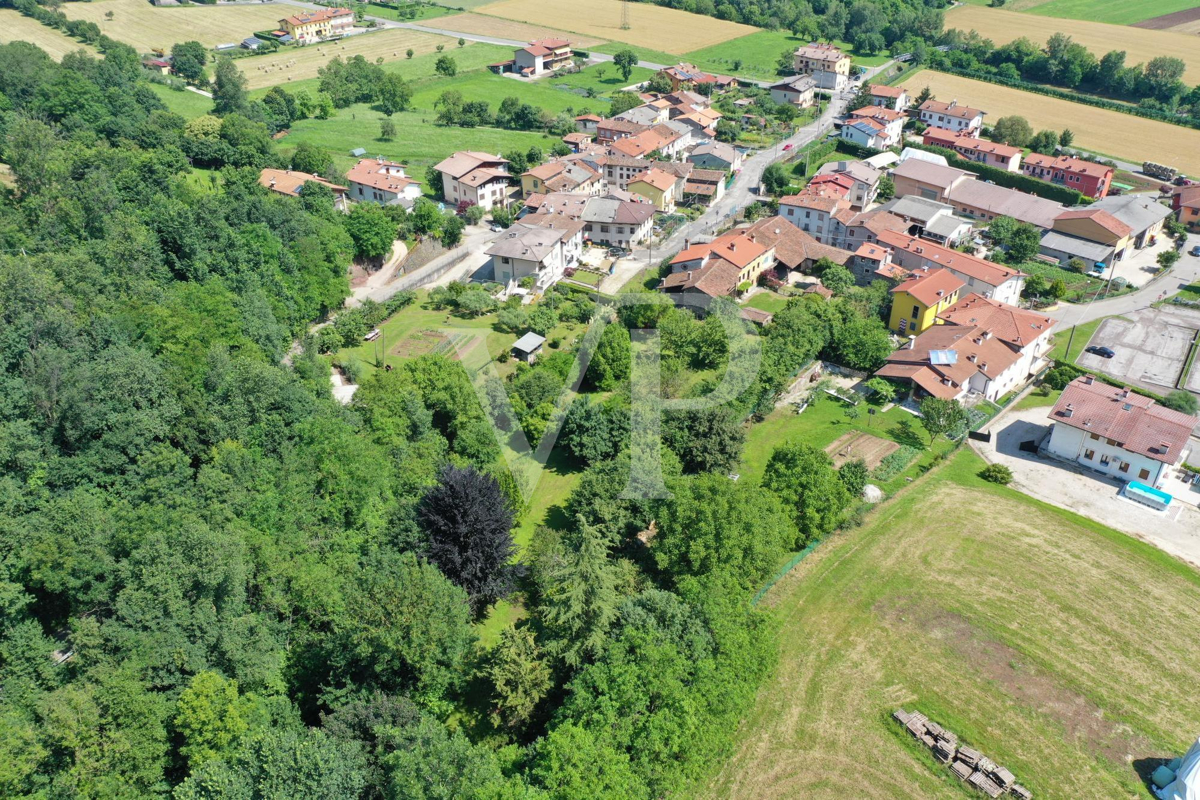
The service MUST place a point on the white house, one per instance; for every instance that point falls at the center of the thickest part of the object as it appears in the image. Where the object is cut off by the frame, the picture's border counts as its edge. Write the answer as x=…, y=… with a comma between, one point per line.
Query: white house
x=540, y=245
x=1118, y=433
x=875, y=126
x=992, y=280
x=373, y=180
x=541, y=56
x=478, y=178
x=894, y=97
x=798, y=90
x=827, y=65
x=951, y=116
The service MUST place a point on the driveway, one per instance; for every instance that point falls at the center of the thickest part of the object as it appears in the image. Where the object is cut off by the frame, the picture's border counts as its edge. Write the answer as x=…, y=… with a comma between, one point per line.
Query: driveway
x=1068, y=486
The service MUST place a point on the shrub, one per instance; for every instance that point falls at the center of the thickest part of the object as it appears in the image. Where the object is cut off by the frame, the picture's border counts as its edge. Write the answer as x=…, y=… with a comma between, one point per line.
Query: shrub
x=1062, y=374
x=996, y=473
x=894, y=463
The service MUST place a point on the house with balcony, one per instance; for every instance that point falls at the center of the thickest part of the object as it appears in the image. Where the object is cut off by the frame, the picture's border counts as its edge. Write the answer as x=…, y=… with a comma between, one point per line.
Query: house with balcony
x=308, y=27
x=658, y=187
x=373, y=180
x=994, y=154
x=541, y=57
x=798, y=91
x=952, y=116
x=987, y=278
x=478, y=178
x=875, y=126
x=828, y=65
x=542, y=246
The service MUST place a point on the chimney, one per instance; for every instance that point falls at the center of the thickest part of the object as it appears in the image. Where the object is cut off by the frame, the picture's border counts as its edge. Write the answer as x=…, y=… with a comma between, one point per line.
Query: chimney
x=1069, y=411
x=972, y=358
x=987, y=335
x=912, y=342
x=1124, y=393
x=1088, y=380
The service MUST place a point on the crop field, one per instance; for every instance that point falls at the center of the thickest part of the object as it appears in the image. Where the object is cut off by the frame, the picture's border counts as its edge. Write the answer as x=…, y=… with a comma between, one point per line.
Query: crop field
x=1058, y=647
x=1114, y=12
x=860, y=444
x=289, y=64
x=18, y=27
x=1107, y=132
x=651, y=26
x=1139, y=44
x=144, y=26
x=510, y=29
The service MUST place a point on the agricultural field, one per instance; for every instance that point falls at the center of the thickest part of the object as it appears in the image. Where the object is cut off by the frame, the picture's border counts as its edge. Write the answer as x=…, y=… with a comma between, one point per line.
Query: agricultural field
x=510, y=29
x=650, y=25
x=15, y=26
x=1140, y=45
x=1102, y=131
x=492, y=88
x=290, y=64
x=1114, y=12
x=144, y=26
x=1058, y=647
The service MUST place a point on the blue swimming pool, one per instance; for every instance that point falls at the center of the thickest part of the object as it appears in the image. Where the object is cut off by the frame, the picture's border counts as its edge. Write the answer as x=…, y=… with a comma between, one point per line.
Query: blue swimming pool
x=1147, y=494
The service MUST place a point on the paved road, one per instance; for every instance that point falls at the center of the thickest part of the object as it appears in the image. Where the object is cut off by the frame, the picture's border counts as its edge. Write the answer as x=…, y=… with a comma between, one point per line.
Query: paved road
x=1186, y=271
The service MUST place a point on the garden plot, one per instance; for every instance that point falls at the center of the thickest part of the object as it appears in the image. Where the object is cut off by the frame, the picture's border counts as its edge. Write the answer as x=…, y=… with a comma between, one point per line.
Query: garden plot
x=861, y=445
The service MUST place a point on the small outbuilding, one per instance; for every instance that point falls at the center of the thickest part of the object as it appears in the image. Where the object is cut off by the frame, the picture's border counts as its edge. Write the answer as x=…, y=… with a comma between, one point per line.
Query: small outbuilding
x=528, y=347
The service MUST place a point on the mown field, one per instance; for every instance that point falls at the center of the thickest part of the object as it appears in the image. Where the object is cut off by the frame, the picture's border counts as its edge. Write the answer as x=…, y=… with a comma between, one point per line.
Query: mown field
x=759, y=52
x=1139, y=44
x=510, y=29
x=1108, y=132
x=15, y=27
x=1060, y=648
x=650, y=25
x=186, y=104
x=290, y=64
x=1115, y=12
x=144, y=26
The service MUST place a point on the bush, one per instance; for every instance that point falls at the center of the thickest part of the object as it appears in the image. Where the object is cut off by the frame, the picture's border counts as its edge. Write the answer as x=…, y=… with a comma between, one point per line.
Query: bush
x=996, y=473
x=1062, y=374
x=1182, y=401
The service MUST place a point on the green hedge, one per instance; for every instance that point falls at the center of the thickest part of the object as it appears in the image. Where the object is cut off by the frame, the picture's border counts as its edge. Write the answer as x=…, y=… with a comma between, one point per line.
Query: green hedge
x=1074, y=97
x=856, y=150
x=1012, y=180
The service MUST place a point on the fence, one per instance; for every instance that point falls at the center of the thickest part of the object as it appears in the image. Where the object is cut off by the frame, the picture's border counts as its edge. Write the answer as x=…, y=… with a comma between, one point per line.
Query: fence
x=784, y=570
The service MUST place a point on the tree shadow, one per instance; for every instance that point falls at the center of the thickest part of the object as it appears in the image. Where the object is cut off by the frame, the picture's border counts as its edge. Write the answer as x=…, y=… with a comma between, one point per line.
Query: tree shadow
x=904, y=433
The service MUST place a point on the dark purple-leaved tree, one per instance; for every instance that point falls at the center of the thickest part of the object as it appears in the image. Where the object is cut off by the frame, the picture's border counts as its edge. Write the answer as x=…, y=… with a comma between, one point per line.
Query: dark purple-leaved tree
x=469, y=529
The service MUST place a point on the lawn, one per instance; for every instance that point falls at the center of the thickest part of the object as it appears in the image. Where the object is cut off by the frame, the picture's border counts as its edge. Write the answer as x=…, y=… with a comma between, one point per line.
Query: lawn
x=1099, y=130
x=1078, y=341
x=1058, y=647
x=144, y=26
x=1041, y=397
x=492, y=88
x=1114, y=12
x=600, y=78
x=1140, y=45
x=643, y=53
x=185, y=103
x=424, y=12
x=515, y=30
x=758, y=54
x=15, y=26
x=767, y=301
x=650, y=25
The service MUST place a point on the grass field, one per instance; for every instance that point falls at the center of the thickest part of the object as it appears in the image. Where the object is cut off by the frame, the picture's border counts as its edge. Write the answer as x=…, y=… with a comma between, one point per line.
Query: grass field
x=1058, y=647
x=767, y=301
x=650, y=25
x=185, y=104
x=759, y=53
x=1140, y=45
x=291, y=64
x=516, y=30
x=1099, y=130
x=15, y=27
x=1114, y=12
x=604, y=79
x=144, y=26
x=488, y=86
x=423, y=13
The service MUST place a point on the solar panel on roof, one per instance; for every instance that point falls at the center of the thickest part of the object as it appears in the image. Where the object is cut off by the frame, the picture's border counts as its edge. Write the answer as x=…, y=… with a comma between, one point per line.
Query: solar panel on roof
x=943, y=357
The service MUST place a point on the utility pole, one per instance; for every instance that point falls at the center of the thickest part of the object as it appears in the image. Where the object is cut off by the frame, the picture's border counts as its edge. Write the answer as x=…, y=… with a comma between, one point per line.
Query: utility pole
x=624, y=15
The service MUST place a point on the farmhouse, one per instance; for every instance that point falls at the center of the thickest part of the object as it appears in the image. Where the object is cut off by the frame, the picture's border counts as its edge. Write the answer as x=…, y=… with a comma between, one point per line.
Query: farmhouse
x=1087, y=177
x=981, y=347
x=658, y=187
x=952, y=116
x=827, y=65
x=291, y=183
x=542, y=56
x=894, y=97
x=971, y=148
x=373, y=180
x=918, y=300
x=541, y=246
x=478, y=178
x=1118, y=433
x=561, y=176
x=798, y=90
x=716, y=155
x=992, y=280
x=313, y=26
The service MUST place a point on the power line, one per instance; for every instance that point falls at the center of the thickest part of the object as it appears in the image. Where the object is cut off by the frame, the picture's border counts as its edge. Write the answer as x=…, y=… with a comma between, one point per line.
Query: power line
x=624, y=15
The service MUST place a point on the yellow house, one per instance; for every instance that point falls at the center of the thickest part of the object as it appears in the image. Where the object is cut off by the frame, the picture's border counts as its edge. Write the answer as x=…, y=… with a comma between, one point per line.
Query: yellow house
x=917, y=301
x=313, y=26
x=657, y=186
x=1096, y=225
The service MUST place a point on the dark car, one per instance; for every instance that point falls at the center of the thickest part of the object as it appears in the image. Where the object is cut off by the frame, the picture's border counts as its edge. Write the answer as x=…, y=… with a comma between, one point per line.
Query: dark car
x=1103, y=352
x=1195, y=251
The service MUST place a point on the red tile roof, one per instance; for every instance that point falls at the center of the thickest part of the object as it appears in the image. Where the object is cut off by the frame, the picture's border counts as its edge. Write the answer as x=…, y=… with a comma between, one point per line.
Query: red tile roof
x=1016, y=326
x=879, y=90
x=981, y=269
x=1100, y=217
x=1136, y=423
x=930, y=287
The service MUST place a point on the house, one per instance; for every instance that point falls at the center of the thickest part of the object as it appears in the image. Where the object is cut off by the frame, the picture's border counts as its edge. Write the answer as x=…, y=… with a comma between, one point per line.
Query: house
x=313, y=26
x=373, y=180
x=887, y=127
x=918, y=300
x=587, y=123
x=986, y=201
x=893, y=97
x=540, y=245
x=862, y=177
x=916, y=176
x=542, y=56
x=1144, y=215
x=658, y=187
x=647, y=114
x=478, y=178
x=981, y=347
x=689, y=76
x=661, y=139
x=610, y=130
x=716, y=155
x=291, y=182
x=827, y=65
x=1001, y=156
x=617, y=222
x=930, y=219
x=1087, y=177
x=1185, y=202
x=577, y=141
x=159, y=65
x=704, y=186
x=825, y=212
x=936, y=114
x=798, y=91
x=1118, y=433
x=562, y=176
x=1107, y=231
x=717, y=268
x=872, y=262
x=528, y=347
x=993, y=281
x=795, y=250
x=619, y=169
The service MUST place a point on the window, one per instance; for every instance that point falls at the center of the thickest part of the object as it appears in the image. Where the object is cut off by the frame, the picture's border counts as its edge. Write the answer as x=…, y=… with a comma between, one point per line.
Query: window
x=1089, y=454
x=604, y=229
x=1095, y=436
x=1124, y=466
x=916, y=311
x=1104, y=460
x=504, y=260
x=1143, y=474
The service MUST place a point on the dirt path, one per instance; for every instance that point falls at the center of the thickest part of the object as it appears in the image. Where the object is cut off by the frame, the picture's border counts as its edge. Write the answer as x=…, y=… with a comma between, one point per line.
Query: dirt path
x=379, y=277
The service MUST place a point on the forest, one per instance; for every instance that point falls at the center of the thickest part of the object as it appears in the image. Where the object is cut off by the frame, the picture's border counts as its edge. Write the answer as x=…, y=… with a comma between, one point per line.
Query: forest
x=217, y=582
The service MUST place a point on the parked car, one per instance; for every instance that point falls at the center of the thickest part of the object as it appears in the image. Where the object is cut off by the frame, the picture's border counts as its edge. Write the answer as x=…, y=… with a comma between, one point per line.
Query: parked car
x=1195, y=251
x=496, y=229
x=1103, y=352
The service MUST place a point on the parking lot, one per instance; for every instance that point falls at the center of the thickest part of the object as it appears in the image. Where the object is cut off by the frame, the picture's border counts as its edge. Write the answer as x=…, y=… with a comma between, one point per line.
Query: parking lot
x=1151, y=347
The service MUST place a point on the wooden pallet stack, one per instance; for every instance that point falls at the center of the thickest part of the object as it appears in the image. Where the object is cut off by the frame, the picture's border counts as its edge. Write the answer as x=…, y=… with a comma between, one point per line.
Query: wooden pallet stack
x=967, y=764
